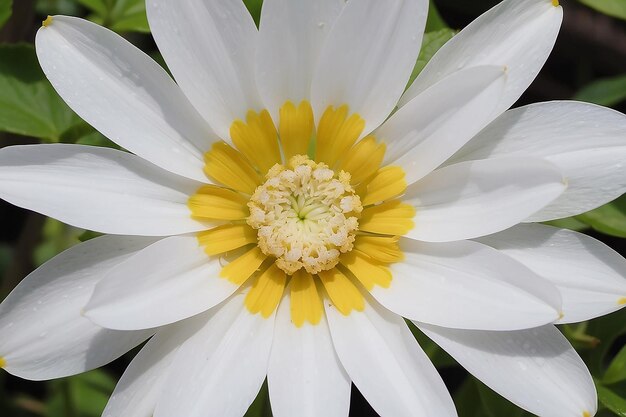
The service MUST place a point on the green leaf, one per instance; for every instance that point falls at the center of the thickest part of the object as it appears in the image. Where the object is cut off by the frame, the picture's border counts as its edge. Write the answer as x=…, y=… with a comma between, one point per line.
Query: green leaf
x=434, y=21
x=88, y=235
x=97, y=6
x=54, y=7
x=571, y=223
x=261, y=405
x=6, y=9
x=119, y=15
x=605, y=330
x=29, y=105
x=254, y=7
x=130, y=16
x=56, y=238
x=609, y=219
x=615, y=8
x=612, y=401
x=430, y=45
x=82, y=395
x=616, y=371
x=467, y=399
x=606, y=92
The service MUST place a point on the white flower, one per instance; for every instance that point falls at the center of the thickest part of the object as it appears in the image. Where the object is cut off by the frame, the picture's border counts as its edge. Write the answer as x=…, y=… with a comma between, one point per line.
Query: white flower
x=296, y=270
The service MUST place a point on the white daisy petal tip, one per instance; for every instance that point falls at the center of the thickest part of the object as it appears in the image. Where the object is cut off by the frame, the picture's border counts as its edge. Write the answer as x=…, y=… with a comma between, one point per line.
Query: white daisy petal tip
x=589, y=275
x=47, y=22
x=585, y=141
x=537, y=369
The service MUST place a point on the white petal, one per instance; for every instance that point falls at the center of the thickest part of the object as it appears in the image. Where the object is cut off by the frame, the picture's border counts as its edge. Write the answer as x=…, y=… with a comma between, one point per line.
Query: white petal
x=434, y=125
x=477, y=198
x=42, y=333
x=368, y=58
x=168, y=281
x=139, y=389
x=386, y=364
x=305, y=377
x=590, y=276
x=97, y=189
x=209, y=46
x=537, y=369
x=124, y=94
x=469, y=286
x=516, y=34
x=586, y=142
x=219, y=371
x=291, y=36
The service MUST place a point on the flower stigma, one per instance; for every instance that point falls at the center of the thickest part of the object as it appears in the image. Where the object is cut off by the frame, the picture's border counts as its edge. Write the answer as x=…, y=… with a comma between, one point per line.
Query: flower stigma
x=306, y=215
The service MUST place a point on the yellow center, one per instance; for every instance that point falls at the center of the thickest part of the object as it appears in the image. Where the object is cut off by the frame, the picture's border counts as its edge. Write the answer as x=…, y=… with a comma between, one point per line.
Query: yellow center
x=305, y=214
x=324, y=227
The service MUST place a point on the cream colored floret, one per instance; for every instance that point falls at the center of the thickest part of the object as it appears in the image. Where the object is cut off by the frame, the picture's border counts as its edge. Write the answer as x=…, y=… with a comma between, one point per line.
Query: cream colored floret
x=305, y=214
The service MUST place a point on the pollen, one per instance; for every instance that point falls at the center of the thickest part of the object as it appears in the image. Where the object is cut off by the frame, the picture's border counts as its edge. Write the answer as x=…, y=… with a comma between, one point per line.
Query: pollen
x=3, y=362
x=621, y=301
x=586, y=414
x=555, y=3
x=47, y=22
x=306, y=215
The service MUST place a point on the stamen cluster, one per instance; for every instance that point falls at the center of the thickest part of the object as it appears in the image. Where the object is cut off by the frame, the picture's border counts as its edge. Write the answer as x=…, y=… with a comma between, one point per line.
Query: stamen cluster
x=306, y=215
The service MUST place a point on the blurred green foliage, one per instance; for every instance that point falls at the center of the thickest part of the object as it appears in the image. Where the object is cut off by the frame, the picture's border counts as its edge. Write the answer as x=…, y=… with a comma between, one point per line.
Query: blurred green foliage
x=5, y=11
x=118, y=15
x=605, y=92
x=615, y=8
x=30, y=107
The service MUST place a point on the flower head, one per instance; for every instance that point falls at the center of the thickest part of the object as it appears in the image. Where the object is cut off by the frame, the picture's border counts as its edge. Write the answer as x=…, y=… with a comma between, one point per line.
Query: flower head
x=285, y=204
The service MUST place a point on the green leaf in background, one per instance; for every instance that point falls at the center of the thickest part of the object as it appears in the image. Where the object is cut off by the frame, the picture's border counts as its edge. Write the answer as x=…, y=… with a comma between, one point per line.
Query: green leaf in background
x=605, y=92
x=119, y=15
x=434, y=21
x=616, y=371
x=82, y=395
x=430, y=45
x=254, y=7
x=56, y=237
x=605, y=331
x=571, y=223
x=609, y=219
x=467, y=399
x=615, y=8
x=53, y=7
x=261, y=405
x=612, y=401
x=98, y=6
x=28, y=104
x=6, y=8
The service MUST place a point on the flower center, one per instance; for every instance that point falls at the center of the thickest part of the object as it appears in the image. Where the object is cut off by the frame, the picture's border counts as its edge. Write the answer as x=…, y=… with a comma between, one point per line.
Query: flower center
x=306, y=215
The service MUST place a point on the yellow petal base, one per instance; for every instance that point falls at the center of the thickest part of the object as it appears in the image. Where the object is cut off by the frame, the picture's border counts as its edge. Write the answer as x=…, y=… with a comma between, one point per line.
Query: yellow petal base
x=324, y=227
